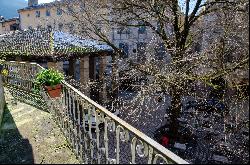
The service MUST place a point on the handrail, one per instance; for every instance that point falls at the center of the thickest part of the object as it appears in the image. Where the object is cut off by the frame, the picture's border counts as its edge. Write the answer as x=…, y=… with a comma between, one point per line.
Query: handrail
x=75, y=112
x=144, y=137
x=22, y=78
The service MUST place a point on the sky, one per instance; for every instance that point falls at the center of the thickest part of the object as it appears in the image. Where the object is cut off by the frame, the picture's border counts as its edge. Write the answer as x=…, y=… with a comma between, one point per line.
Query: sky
x=8, y=8
x=42, y=1
x=192, y=3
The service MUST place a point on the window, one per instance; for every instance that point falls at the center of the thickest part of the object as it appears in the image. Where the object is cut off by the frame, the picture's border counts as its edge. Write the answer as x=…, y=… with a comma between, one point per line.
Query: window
x=71, y=27
x=14, y=27
x=99, y=25
x=158, y=26
x=158, y=7
x=70, y=9
x=123, y=30
x=59, y=11
x=49, y=27
x=170, y=30
x=125, y=48
x=99, y=29
x=82, y=6
x=141, y=50
x=120, y=30
x=47, y=12
x=197, y=47
x=160, y=51
x=39, y=27
x=37, y=13
x=142, y=29
x=60, y=26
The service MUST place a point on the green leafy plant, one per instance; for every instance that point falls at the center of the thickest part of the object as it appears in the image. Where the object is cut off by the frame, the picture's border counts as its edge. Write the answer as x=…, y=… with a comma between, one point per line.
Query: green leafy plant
x=48, y=77
x=5, y=72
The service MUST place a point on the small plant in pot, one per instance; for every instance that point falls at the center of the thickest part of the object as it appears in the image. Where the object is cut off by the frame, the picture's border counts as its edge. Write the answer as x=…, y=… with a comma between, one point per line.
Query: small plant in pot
x=51, y=81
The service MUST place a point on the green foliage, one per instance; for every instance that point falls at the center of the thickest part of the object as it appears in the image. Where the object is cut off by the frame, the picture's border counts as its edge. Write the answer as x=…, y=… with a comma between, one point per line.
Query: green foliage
x=5, y=72
x=48, y=77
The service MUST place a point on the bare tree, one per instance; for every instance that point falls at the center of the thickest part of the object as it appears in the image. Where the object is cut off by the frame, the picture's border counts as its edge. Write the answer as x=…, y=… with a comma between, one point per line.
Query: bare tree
x=205, y=40
x=92, y=21
x=157, y=15
x=98, y=18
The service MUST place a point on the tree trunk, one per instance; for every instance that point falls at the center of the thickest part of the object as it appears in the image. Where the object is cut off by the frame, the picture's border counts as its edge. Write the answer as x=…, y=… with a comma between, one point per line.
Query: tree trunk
x=175, y=111
x=115, y=85
x=176, y=93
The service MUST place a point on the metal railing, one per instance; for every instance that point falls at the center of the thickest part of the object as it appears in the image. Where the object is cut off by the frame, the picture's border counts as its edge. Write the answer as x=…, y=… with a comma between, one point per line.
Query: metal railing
x=95, y=134
x=20, y=81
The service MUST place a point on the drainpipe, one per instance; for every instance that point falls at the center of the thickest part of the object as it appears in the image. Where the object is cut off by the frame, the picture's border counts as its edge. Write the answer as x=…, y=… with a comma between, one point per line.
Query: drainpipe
x=2, y=98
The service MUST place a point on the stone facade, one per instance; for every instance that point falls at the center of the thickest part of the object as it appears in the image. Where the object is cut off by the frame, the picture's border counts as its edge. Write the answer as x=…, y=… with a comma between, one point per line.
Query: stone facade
x=52, y=15
x=9, y=25
x=134, y=41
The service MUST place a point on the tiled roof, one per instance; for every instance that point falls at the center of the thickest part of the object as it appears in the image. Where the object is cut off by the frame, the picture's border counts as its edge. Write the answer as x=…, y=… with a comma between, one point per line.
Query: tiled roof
x=9, y=20
x=45, y=44
x=43, y=5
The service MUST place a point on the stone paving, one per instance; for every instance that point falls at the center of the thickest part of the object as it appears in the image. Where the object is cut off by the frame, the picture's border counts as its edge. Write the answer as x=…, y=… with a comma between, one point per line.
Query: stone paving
x=29, y=135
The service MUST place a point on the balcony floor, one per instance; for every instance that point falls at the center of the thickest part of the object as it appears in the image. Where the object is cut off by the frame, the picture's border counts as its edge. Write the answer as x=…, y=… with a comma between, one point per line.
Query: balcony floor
x=29, y=135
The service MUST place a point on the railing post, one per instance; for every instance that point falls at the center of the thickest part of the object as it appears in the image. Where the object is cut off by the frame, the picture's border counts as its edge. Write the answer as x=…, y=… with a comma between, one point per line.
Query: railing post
x=2, y=98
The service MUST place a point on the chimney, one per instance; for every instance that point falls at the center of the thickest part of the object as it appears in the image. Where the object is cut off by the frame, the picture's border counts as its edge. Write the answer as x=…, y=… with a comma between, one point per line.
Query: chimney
x=1, y=18
x=32, y=2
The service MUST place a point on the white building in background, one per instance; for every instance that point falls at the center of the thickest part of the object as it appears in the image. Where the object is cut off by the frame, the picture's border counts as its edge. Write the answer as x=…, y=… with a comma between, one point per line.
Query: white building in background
x=8, y=25
x=133, y=40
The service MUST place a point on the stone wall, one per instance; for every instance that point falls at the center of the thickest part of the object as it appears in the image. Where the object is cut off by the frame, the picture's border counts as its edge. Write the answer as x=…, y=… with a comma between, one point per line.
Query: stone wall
x=2, y=99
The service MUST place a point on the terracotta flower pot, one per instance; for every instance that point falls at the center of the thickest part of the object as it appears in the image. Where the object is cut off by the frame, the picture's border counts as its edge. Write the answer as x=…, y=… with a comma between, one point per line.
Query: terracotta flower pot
x=54, y=92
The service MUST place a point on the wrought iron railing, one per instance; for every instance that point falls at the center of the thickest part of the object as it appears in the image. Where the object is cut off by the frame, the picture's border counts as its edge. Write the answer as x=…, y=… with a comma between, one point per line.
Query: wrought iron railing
x=20, y=81
x=95, y=134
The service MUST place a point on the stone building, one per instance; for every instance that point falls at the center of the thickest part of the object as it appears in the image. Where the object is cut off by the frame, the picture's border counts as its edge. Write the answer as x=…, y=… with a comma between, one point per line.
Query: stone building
x=52, y=48
x=56, y=15
x=48, y=15
x=8, y=25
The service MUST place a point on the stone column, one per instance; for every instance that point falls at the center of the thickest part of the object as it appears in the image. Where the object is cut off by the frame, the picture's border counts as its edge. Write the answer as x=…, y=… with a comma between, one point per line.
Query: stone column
x=56, y=65
x=103, y=92
x=84, y=73
x=92, y=68
x=94, y=91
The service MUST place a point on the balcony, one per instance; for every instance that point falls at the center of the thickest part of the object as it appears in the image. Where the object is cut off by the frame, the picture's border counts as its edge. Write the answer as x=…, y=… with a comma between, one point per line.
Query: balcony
x=94, y=134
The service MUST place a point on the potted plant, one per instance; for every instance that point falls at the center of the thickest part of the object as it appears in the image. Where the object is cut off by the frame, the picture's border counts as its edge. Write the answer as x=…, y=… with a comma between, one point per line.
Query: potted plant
x=4, y=73
x=51, y=81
